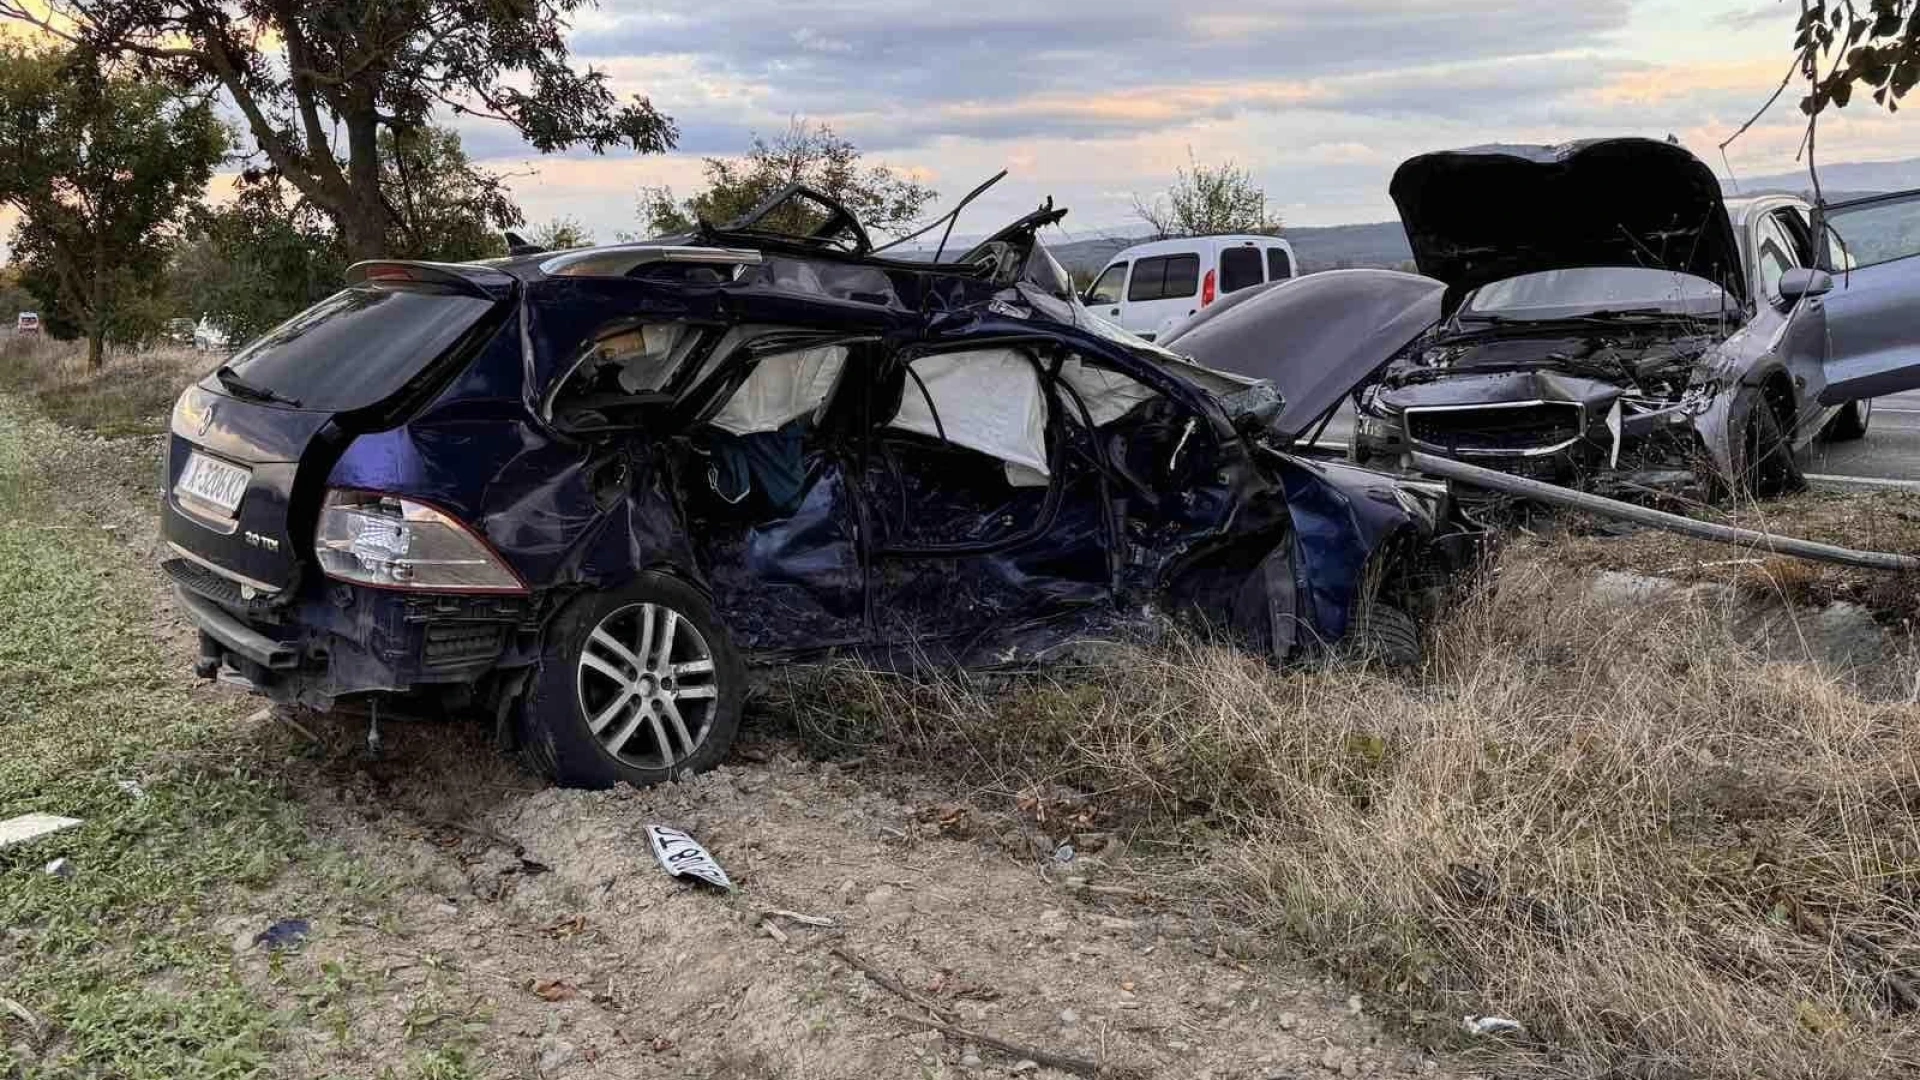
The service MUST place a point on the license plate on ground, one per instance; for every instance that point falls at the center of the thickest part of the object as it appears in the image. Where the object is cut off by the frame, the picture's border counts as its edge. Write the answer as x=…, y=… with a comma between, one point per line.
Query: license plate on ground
x=213, y=482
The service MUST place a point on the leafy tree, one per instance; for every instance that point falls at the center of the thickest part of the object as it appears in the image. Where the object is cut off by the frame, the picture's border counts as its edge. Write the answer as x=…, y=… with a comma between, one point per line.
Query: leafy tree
x=101, y=166
x=1208, y=201
x=561, y=233
x=270, y=252
x=884, y=199
x=14, y=297
x=319, y=82
x=443, y=207
x=250, y=264
x=1873, y=44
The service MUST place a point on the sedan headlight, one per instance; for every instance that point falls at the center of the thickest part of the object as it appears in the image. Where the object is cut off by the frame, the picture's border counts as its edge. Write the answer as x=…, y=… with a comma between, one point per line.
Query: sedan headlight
x=372, y=539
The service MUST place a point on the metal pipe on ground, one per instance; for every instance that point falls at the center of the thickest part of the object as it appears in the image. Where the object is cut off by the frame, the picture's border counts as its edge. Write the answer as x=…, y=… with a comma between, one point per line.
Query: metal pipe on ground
x=1555, y=495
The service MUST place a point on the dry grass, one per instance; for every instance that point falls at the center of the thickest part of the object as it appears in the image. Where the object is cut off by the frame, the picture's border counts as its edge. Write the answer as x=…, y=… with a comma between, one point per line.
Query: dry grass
x=1875, y=521
x=132, y=393
x=1665, y=854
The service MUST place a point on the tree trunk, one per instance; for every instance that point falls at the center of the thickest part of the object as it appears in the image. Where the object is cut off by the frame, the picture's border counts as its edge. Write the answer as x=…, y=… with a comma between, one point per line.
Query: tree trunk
x=364, y=224
x=96, y=347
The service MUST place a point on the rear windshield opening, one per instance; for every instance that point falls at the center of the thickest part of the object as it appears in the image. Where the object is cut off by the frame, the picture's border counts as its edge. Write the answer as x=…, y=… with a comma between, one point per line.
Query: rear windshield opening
x=359, y=346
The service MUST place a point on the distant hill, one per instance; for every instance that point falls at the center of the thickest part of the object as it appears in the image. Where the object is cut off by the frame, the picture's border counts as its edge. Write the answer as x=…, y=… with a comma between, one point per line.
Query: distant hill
x=1842, y=178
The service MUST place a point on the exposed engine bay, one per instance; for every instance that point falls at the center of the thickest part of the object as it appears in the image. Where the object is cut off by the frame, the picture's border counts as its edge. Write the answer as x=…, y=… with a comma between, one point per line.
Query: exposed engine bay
x=1611, y=403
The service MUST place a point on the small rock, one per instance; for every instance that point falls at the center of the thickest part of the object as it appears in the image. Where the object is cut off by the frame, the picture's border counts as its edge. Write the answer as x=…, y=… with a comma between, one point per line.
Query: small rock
x=1332, y=1058
x=444, y=908
x=61, y=868
x=1063, y=854
x=1355, y=1005
x=1288, y=1021
x=1024, y=1065
x=1069, y=1017
x=556, y=1054
x=969, y=1060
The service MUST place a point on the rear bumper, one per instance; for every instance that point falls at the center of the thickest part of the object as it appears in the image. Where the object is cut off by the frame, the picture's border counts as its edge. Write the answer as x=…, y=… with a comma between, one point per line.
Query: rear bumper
x=346, y=640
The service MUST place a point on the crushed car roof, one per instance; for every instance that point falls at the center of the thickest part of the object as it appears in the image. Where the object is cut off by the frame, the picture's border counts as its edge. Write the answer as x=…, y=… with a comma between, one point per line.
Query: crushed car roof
x=1488, y=213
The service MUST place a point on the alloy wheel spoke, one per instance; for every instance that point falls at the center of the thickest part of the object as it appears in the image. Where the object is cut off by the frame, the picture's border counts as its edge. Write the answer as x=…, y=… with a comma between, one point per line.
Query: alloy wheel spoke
x=667, y=755
x=611, y=645
x=693, y=693
x=624, y=678
x=646, y=636
x=679, y=729
x=671, y=623
x=691, y=667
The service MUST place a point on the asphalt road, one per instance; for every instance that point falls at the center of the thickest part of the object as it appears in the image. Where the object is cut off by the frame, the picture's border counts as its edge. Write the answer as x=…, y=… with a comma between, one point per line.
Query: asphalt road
x=1888, y=457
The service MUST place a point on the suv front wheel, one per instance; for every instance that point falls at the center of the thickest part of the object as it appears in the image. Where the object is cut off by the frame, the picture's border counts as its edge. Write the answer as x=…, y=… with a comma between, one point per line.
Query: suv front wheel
x=640, y=684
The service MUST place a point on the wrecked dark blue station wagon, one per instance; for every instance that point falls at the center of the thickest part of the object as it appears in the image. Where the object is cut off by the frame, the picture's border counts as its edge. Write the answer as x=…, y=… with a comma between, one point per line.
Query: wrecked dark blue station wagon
x=582, y=492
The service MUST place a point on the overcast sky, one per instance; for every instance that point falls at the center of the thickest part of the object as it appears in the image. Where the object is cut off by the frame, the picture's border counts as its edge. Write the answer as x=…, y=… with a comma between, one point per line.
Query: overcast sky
x=1097, y=102
x=1093, y=102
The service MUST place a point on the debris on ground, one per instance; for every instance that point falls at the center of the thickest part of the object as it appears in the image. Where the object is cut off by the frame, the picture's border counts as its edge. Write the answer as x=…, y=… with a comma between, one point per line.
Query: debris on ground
x=61, y=868
x=681, y=855
x=25, y=827
x=1491, y=1025
x=284, y=934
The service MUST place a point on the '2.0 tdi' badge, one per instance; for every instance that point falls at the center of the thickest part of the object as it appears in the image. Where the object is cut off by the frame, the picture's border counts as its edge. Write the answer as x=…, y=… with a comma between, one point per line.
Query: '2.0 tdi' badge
x=266, y=543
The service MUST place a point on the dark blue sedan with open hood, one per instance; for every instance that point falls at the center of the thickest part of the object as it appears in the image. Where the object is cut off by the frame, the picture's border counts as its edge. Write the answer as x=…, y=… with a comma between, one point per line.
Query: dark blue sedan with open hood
x=583, y=492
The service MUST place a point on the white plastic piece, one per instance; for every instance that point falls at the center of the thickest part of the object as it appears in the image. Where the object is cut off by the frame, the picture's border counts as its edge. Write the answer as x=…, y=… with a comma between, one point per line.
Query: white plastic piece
x=988, y=399
x=781, y=389
x=681, y=855
x=1491, y=1025
x=19, y=830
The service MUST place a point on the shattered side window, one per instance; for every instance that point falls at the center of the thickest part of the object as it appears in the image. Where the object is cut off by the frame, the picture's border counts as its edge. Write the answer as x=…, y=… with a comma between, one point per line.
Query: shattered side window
x=625, y=361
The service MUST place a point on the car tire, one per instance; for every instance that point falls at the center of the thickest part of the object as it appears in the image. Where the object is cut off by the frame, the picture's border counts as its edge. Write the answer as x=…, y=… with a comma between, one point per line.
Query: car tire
x=606, y=705
x=1850, y=423
x=1769, y=469
x=1385, y=635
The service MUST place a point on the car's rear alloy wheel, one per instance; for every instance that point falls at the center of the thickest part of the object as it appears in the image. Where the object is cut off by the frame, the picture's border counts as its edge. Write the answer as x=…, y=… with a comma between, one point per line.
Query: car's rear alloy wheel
x=645, y=683
x=1851, y=421
x=638, y=685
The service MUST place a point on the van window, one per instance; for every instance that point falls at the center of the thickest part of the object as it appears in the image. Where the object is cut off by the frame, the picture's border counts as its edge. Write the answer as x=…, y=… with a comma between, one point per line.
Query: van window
x=1166, y=277
x=1239, y=268
x=1107, y=289
x=1279, y=267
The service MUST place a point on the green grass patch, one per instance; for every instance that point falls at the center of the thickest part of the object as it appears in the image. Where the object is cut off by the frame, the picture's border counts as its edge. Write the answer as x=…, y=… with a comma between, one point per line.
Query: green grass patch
x=117, y=961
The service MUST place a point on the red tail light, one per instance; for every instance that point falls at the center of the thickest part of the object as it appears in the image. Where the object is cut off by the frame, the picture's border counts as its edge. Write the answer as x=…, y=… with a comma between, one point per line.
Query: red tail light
x=1206, y=289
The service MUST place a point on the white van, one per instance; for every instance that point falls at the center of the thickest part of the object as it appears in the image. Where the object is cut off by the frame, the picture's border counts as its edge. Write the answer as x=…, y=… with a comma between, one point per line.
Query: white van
x=1150, y=287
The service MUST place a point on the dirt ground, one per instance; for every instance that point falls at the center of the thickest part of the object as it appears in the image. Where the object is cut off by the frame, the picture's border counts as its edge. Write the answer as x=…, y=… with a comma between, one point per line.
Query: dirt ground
x=464, y=920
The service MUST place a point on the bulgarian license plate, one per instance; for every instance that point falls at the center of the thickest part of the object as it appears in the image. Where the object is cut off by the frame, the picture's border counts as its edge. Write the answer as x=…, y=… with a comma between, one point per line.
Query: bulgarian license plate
x=214, y=482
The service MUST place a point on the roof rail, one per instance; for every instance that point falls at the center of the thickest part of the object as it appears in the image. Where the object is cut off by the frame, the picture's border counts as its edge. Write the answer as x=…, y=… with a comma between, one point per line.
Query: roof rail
x=621, y=259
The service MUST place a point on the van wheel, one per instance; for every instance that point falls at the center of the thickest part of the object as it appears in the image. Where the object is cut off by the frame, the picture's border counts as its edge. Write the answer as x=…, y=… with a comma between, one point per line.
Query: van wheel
x=638, y=685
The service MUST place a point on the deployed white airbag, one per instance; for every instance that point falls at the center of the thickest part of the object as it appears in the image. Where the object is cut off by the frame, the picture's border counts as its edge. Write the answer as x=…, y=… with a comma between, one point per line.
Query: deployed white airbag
x=988, y=399
x=1108, y=394
x=782, y=388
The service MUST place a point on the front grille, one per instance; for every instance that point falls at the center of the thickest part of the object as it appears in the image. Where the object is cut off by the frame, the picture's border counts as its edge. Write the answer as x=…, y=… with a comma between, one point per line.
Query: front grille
x=1512, y=429
x=453, y=644
x=222, y=590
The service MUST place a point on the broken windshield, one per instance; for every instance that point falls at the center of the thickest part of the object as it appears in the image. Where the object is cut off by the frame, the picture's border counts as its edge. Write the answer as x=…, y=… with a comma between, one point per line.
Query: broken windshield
x=1593, y=290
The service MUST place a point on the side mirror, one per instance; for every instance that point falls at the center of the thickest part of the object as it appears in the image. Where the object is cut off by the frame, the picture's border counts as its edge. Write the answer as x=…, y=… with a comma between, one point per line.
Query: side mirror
x=1802, y=282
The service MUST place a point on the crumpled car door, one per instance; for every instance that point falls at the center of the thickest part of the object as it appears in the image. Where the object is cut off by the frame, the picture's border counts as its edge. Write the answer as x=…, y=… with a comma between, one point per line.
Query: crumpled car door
x=1872, y=248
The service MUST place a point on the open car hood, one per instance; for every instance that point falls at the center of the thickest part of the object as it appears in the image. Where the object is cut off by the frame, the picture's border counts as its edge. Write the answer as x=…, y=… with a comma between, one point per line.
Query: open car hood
x=1489, y=213
x=1315, y=338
